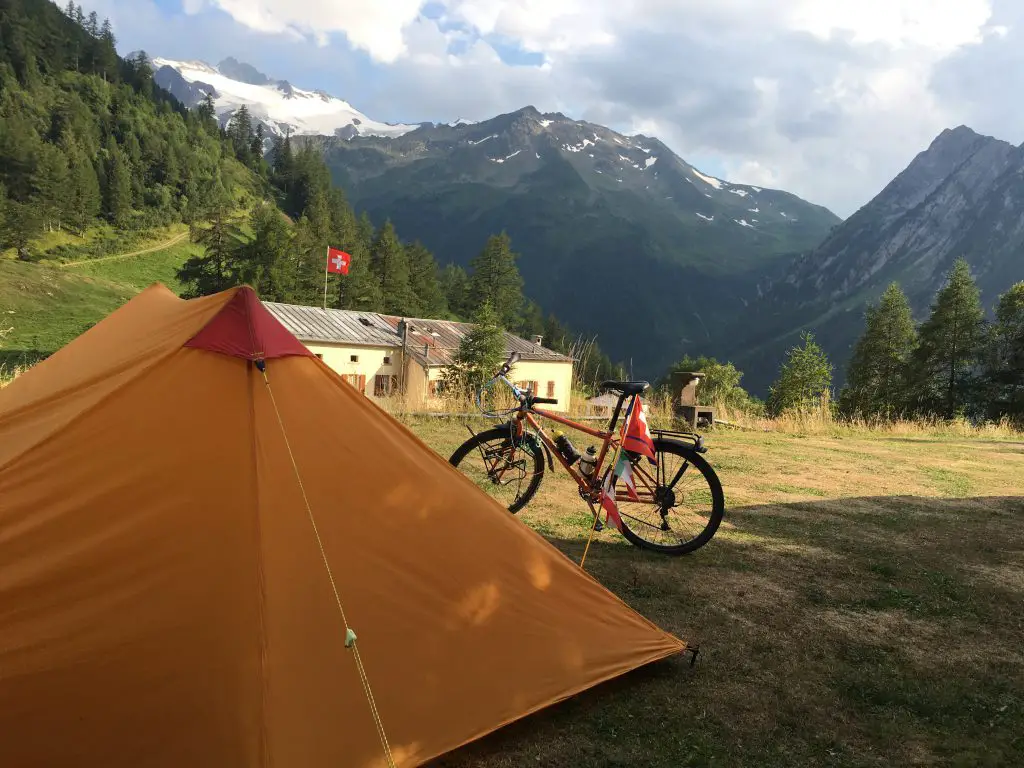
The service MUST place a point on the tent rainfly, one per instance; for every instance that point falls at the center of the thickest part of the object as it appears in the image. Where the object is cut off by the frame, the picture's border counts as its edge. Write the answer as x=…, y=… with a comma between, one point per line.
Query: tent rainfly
x=207, y=537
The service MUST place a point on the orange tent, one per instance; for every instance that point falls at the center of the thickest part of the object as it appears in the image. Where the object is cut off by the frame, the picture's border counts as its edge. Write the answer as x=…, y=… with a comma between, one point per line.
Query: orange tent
x=174, y=525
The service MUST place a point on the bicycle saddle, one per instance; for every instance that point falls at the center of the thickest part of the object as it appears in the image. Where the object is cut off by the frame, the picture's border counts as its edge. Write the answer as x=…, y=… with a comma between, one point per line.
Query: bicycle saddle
x=625, y=387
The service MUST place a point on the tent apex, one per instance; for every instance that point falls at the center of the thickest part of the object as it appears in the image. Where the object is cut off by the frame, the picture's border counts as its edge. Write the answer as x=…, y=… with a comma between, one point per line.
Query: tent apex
x=245, y=328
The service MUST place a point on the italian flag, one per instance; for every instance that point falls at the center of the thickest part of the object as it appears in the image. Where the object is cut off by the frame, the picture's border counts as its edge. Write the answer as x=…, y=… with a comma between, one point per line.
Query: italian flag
x=624, y=471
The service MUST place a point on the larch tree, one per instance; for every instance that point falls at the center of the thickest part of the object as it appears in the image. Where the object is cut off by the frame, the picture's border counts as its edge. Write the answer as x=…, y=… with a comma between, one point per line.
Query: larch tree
x=876, y=374
x=496, y=280
x=943, y=367
x=804, y=382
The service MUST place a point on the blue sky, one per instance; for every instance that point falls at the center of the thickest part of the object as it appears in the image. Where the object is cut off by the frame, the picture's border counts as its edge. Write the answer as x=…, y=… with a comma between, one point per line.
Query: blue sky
x=825, y=100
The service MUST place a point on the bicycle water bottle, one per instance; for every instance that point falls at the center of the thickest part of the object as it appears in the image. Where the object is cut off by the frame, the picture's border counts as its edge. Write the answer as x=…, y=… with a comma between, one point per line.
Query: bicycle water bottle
x=567, y=449
x=589, y=461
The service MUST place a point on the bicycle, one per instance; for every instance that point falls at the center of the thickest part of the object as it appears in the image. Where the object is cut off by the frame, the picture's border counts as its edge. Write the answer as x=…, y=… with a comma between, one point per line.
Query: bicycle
x=515, y=452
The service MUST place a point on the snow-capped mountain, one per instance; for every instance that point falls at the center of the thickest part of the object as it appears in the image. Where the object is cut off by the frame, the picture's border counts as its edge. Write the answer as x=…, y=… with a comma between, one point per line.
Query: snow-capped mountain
x=279, y=105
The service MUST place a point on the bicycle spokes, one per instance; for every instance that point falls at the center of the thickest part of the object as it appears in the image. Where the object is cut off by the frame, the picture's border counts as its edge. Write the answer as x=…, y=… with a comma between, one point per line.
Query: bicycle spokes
x=674, y=503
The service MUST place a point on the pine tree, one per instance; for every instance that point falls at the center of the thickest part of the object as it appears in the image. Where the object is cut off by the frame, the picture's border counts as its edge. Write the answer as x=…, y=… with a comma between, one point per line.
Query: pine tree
x=455, y=285
x=496, y=280
x=51, y=182
x=19, y=222
x=117, y=199
x=240, y=133
x=876, y=372
x=263, y=262
x=390, y=264
x=256, y=147
x=804, y=381
x=207, y=112
x=84, y=199
x=1005, y=361
x=426, y=284
x=360, y=288
x=106, y=57
x=221, y=240
x=478, y=356
x=949, y=349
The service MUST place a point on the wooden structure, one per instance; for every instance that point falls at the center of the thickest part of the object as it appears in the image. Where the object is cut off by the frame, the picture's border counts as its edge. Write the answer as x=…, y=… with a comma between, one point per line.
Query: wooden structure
x=685, y=403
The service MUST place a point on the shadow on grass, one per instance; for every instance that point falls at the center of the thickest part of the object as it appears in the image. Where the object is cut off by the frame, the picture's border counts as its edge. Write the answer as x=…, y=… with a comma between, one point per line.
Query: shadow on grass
x=851, y=632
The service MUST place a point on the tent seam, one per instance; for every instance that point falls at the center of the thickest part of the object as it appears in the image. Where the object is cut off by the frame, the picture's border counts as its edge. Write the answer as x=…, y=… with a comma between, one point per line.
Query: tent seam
x=260, y=570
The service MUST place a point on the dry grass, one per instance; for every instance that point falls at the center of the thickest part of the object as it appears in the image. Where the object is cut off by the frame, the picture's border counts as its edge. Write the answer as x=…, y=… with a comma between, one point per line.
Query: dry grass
x=7, y=375
x=862, y=605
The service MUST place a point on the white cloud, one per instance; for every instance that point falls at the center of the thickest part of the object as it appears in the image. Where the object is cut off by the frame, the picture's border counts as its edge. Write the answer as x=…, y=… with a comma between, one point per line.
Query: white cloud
x=374, y=26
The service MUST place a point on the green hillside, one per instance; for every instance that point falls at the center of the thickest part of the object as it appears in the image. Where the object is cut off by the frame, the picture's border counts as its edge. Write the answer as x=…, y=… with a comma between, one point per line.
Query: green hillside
x=46, y=304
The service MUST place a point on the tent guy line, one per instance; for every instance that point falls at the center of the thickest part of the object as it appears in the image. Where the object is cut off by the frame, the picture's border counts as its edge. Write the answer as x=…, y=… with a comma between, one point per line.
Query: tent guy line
x=350, y=635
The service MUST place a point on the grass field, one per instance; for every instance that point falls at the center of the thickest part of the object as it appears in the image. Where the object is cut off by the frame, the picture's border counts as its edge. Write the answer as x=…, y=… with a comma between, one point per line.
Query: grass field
x=861, y=605
x=45, y=305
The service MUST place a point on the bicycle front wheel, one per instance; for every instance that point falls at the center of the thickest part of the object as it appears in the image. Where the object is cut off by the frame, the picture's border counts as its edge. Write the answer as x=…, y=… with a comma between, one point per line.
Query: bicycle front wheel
x=508, y=470
x=679, y=502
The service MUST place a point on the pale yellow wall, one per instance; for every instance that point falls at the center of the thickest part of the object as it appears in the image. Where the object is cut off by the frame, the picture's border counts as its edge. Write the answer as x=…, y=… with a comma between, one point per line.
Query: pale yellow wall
x=370, y=363
x=540, y=371
x=543, y=371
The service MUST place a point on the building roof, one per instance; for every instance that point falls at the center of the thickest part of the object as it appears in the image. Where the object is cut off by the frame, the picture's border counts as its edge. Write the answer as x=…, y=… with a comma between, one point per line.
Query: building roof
x=430, y=342
x=335, y=326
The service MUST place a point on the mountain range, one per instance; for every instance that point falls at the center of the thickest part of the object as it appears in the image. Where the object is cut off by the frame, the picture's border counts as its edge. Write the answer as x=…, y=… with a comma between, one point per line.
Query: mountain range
x=622, y=238
x=961, y=196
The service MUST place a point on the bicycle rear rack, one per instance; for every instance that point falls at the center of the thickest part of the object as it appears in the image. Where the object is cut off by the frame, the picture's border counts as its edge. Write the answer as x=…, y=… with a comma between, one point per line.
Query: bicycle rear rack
x=692, y=437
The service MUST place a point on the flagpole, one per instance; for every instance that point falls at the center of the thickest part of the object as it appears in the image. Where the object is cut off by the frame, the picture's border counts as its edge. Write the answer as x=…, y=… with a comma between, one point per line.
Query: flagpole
x=327, y=265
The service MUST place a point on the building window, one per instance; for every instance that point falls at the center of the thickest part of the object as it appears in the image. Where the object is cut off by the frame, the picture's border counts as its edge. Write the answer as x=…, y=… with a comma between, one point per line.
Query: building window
x=353, y=358
x=387, y=360
x=384, y=384
x=551, y=389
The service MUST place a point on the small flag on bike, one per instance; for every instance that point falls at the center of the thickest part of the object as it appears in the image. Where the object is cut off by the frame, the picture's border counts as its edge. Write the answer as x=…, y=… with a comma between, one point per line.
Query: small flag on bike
x=611, y=509
x=637, y=437
x=624, y=471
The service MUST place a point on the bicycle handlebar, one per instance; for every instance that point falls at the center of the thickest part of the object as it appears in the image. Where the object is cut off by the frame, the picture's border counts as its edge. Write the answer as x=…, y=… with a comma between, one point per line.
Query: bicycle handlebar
x=546, y=400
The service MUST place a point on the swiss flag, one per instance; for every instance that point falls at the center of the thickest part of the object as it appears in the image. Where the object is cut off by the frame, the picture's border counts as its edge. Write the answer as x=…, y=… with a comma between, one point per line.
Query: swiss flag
x=338, y=261
x=636, y=436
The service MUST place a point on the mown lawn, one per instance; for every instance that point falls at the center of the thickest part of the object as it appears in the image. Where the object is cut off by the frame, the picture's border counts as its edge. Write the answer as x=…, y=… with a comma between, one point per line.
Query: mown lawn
x=862, y=605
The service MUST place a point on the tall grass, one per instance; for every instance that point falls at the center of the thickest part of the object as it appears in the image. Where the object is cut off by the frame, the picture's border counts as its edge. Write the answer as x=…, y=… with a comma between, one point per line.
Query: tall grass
x=9, y=374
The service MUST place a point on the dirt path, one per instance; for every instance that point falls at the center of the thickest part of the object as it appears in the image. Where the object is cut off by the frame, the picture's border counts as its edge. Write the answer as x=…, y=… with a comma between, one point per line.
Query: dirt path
x=151, y=249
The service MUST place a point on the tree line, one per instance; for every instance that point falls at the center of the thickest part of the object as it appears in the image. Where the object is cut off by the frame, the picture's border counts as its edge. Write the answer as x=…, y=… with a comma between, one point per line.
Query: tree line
x=955, y=364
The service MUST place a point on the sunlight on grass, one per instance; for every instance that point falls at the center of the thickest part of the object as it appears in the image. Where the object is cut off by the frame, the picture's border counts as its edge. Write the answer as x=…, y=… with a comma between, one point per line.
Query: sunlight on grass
x=852, y=576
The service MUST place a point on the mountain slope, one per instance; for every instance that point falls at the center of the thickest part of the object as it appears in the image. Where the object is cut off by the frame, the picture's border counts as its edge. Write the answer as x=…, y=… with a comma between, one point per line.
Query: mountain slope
x=280, y=106
x=598, y=218
x=962, y=196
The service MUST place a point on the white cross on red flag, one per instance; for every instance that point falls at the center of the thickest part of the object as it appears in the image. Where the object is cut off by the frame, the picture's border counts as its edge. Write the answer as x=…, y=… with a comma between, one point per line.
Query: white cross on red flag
x=338, y=261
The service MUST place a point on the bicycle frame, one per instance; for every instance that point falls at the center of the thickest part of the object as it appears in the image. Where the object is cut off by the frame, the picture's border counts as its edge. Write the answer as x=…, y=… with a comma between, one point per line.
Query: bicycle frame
x=608, y=437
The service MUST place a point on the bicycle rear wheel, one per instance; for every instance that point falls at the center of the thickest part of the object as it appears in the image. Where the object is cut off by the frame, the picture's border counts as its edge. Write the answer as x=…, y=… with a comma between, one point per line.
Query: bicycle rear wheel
x=680, y=504
x=509, y=471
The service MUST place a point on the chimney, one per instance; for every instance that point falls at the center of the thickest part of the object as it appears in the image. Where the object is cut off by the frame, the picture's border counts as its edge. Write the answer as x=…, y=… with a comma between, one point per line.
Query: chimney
x=403, y=329
x=426, y=350
x=537, y=339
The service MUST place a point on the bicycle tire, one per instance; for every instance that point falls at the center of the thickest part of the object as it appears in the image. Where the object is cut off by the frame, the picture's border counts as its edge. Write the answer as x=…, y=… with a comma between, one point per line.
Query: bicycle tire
x=502, y=436
x=717, y=496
